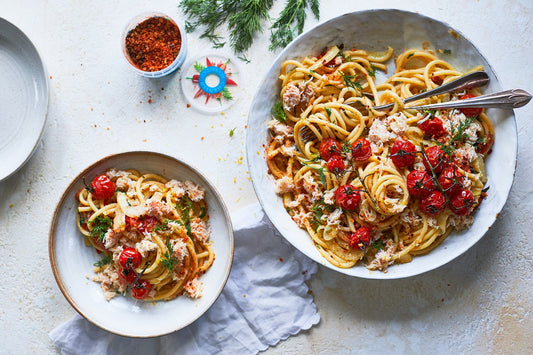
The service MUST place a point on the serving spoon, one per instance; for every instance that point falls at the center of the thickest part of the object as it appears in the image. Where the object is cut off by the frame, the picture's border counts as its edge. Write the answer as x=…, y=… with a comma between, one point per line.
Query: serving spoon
x=512, y=98
x=471, y=80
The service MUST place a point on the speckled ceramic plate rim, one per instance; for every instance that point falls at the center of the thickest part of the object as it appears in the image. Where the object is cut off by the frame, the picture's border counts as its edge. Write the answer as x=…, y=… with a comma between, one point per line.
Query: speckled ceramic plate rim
x=501, y=163
x=170, y=326
x=40, y=120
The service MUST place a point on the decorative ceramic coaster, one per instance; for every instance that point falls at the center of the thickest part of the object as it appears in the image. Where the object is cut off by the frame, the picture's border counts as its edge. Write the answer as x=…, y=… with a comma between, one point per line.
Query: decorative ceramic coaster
x=210, y=82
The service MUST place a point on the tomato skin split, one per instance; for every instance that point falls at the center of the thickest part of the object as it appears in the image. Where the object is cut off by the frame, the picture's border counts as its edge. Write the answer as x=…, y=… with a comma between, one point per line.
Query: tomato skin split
x=435, y=159
x=419, y=183
x=463, y=202
x=433, y=127
x=141, y=289
x=403, y=153
x=129, y=258
x=336, y=164
x=328, y=148
x=347, y=197
x=433, y=204
x=361, y=149
x=360, y=239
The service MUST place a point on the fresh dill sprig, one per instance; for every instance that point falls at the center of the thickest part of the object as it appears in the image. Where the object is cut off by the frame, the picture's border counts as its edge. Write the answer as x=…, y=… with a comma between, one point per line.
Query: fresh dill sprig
x=244, y=24
x=98, y=227
x=351, y=81
x=169, y=260
x=278, y=113
x=244, y=59
x=244, y=19
x=104, y=261
x=208, y=14
x=291, y=19
x=459, y=134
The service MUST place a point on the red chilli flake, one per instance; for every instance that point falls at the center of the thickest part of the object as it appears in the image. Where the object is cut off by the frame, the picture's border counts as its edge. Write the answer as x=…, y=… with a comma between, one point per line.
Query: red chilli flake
x=153, y=44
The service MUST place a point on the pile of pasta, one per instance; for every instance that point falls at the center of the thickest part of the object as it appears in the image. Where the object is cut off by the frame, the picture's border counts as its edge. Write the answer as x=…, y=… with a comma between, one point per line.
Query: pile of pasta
x=370, y=186
x=152, y=234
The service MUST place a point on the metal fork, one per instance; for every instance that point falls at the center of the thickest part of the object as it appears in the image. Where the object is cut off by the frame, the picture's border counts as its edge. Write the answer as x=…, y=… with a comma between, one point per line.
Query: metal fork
x=468, y=81
x=306, y=134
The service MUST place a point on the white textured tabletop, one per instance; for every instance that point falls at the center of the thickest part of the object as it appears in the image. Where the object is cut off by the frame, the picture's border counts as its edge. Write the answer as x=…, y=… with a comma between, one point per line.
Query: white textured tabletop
x=480, y=302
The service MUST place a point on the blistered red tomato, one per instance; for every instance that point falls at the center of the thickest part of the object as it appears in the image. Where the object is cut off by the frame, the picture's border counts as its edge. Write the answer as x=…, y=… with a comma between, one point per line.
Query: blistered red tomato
x=361, y=150
x=102, y=187
x=329, y=147
x=403, y=153
x=432, y=127
x=470, y=111
x=143, y=223
x=433, y=204
x=141, y=289
x=450, y=179
x=437, y=79
x=347, y=197
x=127, y=276
x=360, y=239
x=436, y=158
x=463, y=202
x=130, y=257
x=336, y=164
x=419, y=183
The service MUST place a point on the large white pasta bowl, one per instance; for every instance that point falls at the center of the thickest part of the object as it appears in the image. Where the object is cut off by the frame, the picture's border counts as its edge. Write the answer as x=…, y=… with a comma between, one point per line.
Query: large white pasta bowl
x=375, y=30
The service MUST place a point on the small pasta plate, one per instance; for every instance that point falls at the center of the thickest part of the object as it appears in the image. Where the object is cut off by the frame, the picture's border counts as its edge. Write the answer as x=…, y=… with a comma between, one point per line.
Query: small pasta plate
x=72, y=260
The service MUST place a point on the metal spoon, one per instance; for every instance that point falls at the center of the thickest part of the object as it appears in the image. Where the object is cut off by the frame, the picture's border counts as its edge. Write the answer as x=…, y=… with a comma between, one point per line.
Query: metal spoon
x=513, y=98
x=468, y=81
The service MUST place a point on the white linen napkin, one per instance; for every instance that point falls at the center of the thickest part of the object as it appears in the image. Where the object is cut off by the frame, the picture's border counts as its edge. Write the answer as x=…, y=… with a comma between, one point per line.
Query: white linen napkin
x=264, y=301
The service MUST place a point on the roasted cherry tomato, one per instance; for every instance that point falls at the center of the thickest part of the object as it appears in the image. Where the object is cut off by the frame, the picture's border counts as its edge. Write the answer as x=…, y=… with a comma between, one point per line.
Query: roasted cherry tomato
x=403, y=153
x=436, y=157
x=360, y=239
x=361, y=149
x=436, y=79
x=130, y=258
x=450, y=179
x=102, y=187
x=127, y=276
x=470, y=111
x=433, y=204
x=347, y=197
x=463, y=202
x=419, y=183
x=432, y=127
x=141, y=289
x=485, y=147
x=329, y=147
x=336, y=164
x=143, y=223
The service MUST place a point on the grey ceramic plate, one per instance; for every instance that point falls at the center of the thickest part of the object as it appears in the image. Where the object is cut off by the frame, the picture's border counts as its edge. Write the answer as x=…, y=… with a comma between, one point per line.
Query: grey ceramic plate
x=72, y=261
x=24, y=97
x=376, y=30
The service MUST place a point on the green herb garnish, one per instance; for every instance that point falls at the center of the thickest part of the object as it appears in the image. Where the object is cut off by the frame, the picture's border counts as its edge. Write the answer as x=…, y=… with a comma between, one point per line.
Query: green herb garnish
x=104, y=261
x=99, y=226
x=231, y=132
x=278, y=113
x=328, y=110
x=169, y=260
x=350, y=81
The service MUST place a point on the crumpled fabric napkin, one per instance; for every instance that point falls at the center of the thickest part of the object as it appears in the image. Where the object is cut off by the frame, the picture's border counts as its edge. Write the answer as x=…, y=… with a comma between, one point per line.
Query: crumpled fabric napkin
x=264, y=301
